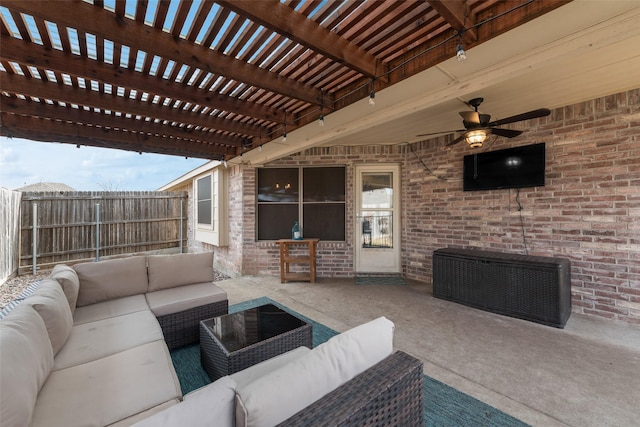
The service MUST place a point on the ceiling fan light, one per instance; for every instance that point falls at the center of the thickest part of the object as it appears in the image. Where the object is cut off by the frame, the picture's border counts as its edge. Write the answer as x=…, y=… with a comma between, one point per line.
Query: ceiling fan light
x=475, y=138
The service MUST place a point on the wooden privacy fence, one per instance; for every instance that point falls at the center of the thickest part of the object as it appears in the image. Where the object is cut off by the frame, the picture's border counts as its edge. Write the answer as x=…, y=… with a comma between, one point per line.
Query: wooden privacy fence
x=73, y=226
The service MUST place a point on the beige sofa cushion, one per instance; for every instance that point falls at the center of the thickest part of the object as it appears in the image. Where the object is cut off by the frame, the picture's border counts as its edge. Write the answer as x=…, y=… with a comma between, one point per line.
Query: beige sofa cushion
x=175, y=300
x=26, y=359
x=115, y=278
x=51, y=304
x=127, y=422
x=212, y=405
x=108, y=390
x=169, y=271
x=94, y=340
x=108, y=309
x=278, y=395
x=69, y=281
x=250, y=374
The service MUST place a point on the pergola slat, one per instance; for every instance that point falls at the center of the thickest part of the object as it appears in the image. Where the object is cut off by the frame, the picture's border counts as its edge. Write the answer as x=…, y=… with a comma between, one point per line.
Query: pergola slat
x=33, y=87
x=224, y=72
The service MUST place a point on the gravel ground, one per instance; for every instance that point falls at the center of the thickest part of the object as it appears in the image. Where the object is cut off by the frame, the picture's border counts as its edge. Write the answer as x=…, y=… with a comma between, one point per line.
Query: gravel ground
x=12, y=288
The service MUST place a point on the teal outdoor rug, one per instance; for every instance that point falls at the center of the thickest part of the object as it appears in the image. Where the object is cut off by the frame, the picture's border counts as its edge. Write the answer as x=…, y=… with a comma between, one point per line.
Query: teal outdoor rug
x=379, y=280
x=444, y=406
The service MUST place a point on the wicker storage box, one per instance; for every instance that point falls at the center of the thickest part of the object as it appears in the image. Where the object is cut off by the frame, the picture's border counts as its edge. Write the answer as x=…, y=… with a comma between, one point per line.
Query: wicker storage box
x=528, y=287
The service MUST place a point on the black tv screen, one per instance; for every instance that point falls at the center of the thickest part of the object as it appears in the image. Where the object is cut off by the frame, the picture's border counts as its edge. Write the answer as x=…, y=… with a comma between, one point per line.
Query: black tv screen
x=516, y=167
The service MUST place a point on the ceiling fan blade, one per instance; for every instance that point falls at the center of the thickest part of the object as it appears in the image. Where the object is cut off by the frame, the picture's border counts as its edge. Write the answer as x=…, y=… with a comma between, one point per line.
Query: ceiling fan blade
x=541, y=112
x=470, y=117
x=508, y=133
x=442, y=133
x=455, y=141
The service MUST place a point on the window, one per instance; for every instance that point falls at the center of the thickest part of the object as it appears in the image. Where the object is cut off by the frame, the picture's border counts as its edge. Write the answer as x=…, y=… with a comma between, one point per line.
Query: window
x=315, y=196
x=204, y=191
x=211, y=208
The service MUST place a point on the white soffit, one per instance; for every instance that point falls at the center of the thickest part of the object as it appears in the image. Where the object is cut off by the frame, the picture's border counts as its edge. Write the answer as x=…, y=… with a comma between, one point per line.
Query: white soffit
x=582, y=50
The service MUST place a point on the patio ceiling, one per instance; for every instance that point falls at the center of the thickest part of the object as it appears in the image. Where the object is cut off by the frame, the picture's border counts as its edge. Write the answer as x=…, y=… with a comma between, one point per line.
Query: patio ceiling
x=218, y=79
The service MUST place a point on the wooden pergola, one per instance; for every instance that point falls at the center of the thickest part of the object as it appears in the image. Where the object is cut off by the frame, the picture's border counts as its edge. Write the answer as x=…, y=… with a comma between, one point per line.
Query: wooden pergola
x=213, y=79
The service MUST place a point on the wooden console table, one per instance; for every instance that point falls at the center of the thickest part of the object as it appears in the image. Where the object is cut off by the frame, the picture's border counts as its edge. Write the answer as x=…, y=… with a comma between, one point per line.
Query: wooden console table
x=286, y=259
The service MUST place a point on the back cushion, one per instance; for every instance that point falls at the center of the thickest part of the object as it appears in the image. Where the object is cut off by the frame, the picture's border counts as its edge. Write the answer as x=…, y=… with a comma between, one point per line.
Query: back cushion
x=26, y=359
x=52, y=305
x=115, y=278
x=276, y=396
x=169, y=271
x=69, y=281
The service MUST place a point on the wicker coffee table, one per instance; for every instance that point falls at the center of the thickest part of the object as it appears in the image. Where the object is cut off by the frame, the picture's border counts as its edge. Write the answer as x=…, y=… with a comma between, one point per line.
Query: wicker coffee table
x=233, y=342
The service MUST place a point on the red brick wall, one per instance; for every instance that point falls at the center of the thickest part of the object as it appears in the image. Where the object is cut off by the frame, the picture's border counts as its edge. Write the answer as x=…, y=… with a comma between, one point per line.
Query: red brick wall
x=588, y=212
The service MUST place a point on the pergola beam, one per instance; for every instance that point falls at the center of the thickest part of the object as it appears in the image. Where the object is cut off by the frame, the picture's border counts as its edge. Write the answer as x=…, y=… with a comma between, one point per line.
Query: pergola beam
x=45, y=130
x=27, y=53
x=95, y=20
x=456, y=14
x=286, y=21
x=78, y=115
x=37, y=88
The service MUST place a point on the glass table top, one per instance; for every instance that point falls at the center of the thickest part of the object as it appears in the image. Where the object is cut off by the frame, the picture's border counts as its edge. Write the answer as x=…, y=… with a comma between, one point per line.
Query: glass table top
x=239, y=330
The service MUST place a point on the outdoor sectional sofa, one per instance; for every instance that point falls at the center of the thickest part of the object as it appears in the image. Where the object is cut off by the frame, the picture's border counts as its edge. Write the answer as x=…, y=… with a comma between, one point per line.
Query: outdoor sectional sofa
x=353, y=379
x=88, y=348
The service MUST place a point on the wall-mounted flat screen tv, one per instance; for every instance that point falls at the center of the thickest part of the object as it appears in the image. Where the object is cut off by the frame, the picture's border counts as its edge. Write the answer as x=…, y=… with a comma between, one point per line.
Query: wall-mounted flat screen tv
x=516, y=167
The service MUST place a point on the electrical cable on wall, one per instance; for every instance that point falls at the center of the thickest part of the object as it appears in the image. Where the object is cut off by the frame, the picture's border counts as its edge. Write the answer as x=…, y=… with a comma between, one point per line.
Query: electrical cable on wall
x=524, y=236
x=425, y=165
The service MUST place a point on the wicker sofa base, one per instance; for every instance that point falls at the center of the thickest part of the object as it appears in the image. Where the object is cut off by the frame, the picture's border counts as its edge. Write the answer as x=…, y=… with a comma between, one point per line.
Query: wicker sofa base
x=182, y=328
x=389, y=393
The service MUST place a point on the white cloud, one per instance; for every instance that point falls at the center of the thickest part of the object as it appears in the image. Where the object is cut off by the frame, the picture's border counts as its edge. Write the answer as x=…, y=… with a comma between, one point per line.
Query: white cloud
x=24, y=162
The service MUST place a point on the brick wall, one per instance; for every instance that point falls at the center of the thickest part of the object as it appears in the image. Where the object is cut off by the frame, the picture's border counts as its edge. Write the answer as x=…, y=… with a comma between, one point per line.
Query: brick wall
x=334, y=259
x=588, y=211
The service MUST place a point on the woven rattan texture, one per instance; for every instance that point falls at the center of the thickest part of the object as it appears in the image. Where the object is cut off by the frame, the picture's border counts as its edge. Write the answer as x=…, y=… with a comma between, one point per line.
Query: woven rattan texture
x=218, y=362
x=182, y=328
x=388, y=394
x=528, y=287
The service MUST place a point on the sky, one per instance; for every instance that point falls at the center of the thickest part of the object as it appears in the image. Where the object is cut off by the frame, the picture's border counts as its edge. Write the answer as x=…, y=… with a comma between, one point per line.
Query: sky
x=24, y=162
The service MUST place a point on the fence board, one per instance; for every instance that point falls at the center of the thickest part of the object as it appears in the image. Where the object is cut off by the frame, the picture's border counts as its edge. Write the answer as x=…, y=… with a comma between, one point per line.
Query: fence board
x=129, y=222
x=9, y=227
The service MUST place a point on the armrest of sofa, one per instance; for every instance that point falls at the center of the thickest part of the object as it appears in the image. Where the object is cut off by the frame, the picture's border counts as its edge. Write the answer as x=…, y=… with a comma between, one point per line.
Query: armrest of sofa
x=388, y=393
x=180, y=310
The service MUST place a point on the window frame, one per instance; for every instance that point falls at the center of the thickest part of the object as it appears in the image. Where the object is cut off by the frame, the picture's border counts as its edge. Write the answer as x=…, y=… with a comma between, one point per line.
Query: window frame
x=301, y=203
x=217, y=231
x=212, y=194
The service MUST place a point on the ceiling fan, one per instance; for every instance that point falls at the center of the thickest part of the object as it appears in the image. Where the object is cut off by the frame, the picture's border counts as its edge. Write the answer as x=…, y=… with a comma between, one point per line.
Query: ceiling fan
x=477, y=126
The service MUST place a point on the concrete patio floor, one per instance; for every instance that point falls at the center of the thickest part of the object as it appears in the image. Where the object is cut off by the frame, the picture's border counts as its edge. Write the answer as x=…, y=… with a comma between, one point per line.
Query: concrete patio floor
x=587, y=374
